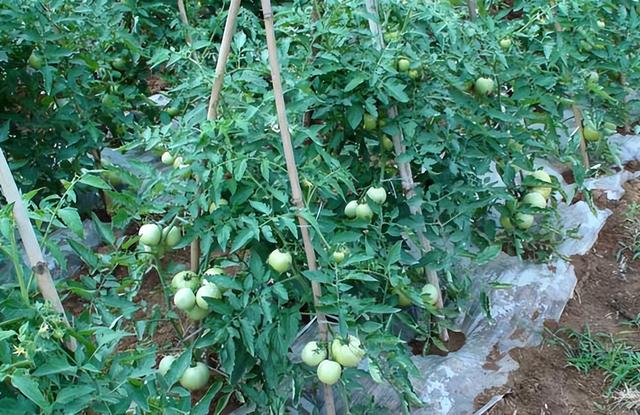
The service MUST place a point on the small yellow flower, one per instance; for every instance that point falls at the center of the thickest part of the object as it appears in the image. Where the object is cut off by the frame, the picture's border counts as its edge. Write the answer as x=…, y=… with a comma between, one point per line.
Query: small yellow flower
x=20, y=351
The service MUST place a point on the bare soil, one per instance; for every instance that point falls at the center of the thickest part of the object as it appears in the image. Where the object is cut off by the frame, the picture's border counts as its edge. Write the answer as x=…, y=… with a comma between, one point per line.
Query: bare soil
x=606, y=295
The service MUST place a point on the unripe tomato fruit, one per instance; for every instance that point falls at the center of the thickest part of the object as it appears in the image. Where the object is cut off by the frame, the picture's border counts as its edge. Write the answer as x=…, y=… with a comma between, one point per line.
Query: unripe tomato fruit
x=484, y=86
x=414, y=74
x=173, y=111
x=338, y=256
x=350, y=209
x=213, y=206
x=403, y=64
x=209, y=290
x=119, y=64
x=363, y=211
x=329, y=372
x=195, y=377
x=524, y=221
x=535, y=199
x=601, y=24
x=429, y=294
x=348, y=353
x=167, y=158
x=185, y=279
x=505, y=43
x=214, y=271
x=35, y=61
x=505, y=221
x=403, y=299
x=593, y=77
x=184, y=299
x=387, y=143
x=171, y=235
x=165, y=364
x=370, y=122
x=543, y=177
x=197, y=313
x=312, y=354
x=150, y=234
x=591, y=134
x=280, y=261
x=377, y=194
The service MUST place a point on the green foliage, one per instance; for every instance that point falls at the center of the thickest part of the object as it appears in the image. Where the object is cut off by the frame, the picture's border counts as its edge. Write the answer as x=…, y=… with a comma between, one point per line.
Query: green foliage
x=74, y=81
x=231, y=187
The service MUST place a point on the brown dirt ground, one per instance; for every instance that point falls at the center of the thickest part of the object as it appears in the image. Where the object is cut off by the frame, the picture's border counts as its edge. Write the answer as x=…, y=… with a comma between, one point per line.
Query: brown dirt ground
x=606, y=295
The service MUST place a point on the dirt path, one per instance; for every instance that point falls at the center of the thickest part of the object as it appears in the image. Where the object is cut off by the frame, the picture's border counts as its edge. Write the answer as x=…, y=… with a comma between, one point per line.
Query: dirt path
x=607, y=295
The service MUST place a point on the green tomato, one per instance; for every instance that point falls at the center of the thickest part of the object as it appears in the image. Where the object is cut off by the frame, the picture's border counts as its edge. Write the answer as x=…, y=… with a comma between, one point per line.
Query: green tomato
x=347, y=352
x=209, y=290
x=484, y=86
x=339, y=256
x=312, y=354
x=150, y=234
x=404, y=64
x=214, y=271
x=119, y=64
x=184, y=299
x=591, y=134
x=505, y=221
x=197, y=313
x=171, y=235
x=364, y=212
x=213, y=206
x=414, y=74
x=403, y=299
x=524, y=221
x=429, y=294
x=542, y=176
x=167, y=158
x=280, y=261
x=387, y=143
x=173, y=111
x=350, y=209
x=593, y=77
x=329, y=372
x=185, y=279
x=505, y=43
x=534, y=199
x=370, y=122
x=195, y=377
x=165, y=364
x=601, y=24
x=377, y=194
x=35, y=60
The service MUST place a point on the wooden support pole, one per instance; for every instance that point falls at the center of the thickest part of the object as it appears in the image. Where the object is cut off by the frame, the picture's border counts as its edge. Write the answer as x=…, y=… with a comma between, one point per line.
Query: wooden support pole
x=577, y=113
x=212, y=113
x=184, y=19
x=223, y=57
x=404, y=168
x=30, y=243
x=473, y=7
x=295, y=181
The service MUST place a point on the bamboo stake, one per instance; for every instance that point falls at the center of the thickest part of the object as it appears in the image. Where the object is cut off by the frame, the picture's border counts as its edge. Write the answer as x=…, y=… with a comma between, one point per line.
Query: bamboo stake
x=577, y=113
x=30, y=242
x=223, y=57
x=295, y=181
x=212, y=113
x=404, y=168
x=183, y=17
x=473, y=14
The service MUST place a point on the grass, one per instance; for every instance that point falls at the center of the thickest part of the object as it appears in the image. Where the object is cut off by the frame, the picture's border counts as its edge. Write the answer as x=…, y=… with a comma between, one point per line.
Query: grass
x=617, y=359
x=631, y=242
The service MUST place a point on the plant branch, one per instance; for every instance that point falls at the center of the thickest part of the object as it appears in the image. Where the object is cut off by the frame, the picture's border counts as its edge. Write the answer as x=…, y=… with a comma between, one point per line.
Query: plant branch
x=295, y=182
